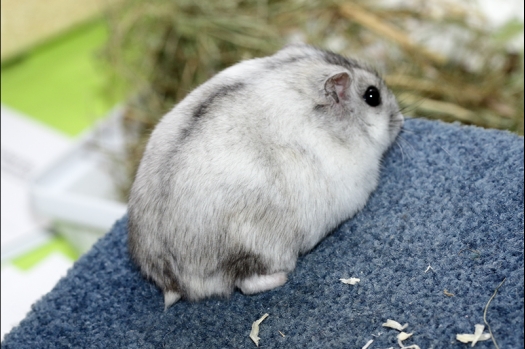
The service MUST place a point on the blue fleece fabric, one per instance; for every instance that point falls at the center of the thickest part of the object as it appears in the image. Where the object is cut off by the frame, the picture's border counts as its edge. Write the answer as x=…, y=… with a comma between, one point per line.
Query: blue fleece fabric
x=451, y=197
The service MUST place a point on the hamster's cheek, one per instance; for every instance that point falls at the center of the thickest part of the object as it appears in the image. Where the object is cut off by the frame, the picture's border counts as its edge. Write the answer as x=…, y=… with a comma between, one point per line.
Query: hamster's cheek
x=378, y=128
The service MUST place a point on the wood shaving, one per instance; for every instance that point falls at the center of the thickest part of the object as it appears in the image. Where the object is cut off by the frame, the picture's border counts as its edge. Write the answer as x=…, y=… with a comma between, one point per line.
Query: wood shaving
x=254, y=334
x=351, y=281
x=448, y=294
x=401, y=337
x=429, y=268
x=467, y=337
x=478, y=331
x=282, y=334
x=474, y=338
x=395, y=325
x=368, y=344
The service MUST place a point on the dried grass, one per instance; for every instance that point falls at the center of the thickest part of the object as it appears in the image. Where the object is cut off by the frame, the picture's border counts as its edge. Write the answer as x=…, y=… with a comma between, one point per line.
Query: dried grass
x=162, y=49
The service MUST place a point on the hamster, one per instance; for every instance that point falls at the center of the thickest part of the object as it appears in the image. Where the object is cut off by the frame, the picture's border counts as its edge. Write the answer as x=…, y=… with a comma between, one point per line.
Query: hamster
x=254, y=167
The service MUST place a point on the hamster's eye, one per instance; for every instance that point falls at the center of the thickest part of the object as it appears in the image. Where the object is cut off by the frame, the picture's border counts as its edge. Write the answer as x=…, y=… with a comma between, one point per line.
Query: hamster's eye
x=372, y=96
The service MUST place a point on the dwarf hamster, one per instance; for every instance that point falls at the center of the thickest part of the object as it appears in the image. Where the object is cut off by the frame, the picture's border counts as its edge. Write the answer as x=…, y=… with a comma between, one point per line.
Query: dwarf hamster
x=254, y=167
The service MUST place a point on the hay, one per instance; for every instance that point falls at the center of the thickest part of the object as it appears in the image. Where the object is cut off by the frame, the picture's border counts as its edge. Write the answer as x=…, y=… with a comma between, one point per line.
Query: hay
x=162, y=49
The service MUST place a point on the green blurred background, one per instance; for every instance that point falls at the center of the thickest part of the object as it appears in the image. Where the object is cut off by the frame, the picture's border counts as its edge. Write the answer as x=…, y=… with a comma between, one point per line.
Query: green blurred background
x=60, y=82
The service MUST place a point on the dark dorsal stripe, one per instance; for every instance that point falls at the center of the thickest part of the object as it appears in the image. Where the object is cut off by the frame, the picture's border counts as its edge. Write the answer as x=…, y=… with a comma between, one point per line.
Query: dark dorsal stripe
x=221, y=92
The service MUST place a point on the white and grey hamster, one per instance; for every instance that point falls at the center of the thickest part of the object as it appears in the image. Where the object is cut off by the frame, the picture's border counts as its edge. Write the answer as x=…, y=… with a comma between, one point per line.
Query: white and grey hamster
x=254, y=168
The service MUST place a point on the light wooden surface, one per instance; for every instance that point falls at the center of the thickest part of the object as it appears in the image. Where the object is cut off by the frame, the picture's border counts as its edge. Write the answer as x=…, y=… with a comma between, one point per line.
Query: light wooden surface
x=25, y=23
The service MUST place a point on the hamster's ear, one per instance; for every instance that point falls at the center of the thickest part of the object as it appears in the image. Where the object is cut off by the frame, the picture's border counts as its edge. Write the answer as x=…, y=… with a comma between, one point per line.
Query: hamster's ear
x=336, y=86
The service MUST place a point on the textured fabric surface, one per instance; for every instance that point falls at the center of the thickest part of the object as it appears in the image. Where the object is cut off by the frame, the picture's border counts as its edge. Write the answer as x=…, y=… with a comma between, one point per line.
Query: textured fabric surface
x=450, y=197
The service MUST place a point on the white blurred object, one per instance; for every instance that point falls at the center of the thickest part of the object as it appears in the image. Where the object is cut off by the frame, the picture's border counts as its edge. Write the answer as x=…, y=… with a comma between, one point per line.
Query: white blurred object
x=27, y=148
x=20, y=289
x=499, y=12
x=77, y=191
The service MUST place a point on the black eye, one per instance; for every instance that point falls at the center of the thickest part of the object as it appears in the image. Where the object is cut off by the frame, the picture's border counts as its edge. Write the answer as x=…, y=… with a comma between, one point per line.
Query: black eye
x=372, y=96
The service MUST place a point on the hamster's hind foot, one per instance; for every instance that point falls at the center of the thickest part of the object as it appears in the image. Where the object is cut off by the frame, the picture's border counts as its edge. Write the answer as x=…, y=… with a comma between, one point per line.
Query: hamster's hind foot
x=170, y=298
x=261, y=283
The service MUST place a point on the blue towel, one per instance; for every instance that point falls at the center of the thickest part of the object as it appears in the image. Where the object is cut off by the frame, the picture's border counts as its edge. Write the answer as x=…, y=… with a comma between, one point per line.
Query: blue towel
x=448, y=215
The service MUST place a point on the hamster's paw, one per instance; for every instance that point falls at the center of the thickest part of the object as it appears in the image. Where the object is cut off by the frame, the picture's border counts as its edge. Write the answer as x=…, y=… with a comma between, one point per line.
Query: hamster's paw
x=170, y=298
x=261, y=283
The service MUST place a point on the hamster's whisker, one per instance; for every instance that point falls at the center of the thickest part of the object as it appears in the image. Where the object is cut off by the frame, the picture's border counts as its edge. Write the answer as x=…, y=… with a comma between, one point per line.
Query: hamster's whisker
x=445, y=151
x=394, y=123
x=405, y=130
x=402, y=139
x=401, y=149
x=408, y=108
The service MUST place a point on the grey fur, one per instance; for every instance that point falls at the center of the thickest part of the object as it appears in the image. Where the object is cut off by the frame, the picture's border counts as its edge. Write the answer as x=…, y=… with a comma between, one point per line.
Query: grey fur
x=255, y=167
